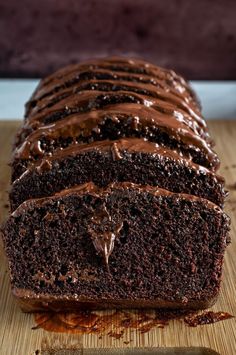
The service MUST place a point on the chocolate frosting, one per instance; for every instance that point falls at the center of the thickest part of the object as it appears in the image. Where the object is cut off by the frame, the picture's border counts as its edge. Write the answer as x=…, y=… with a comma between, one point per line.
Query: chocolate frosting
x=103, y=233
x=77, y=101
x=117, y=149
x=137, y=115
x=155, y=96
x=91, y=189
x=87, y=100
x=117, y=67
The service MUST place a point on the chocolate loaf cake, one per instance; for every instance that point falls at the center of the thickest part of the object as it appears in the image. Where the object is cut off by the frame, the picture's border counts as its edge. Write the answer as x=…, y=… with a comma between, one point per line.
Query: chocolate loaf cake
x=115, y=198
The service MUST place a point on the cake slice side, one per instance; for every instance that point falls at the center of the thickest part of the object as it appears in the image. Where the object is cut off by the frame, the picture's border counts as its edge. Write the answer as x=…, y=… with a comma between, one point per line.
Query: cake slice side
x=104, y=162
x=124, y=245
x=119, y=121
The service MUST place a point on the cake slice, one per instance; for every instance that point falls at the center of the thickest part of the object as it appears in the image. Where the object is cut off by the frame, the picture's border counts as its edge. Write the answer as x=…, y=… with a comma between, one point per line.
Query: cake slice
x=125, y=245
x=103, y=162
x=115, y=122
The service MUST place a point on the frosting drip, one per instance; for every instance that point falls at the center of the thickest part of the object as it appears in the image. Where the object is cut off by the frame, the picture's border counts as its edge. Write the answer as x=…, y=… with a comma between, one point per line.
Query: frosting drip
x=103, y=233
x=117, y=67
x=74, y=104
x=137, y=117
x=117, y=149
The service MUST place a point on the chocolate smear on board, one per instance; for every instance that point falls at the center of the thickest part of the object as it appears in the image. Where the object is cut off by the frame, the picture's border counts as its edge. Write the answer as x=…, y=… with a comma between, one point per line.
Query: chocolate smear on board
x=115, y=323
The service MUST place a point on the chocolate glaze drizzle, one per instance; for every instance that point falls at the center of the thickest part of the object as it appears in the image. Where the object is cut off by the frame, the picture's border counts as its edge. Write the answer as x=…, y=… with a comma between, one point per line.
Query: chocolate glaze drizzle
x=113, y=68
x=115, y=151
x=80, y=127
x=90, y=188
x=76, y=102
x=117, y=148
x=88, y=322
x=123, y=86
x=103, y=233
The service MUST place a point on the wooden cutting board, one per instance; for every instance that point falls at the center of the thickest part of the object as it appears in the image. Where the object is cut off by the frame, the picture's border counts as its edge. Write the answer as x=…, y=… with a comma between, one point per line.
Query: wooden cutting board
x=18, y=338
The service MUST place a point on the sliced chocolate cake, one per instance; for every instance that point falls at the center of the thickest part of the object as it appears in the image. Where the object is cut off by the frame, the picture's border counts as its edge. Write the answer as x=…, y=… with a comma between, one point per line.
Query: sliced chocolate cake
x=115, y=198
x=103, y=162
x=118, y=69
x=130, y=99
x=125, y=245
x=100, y=125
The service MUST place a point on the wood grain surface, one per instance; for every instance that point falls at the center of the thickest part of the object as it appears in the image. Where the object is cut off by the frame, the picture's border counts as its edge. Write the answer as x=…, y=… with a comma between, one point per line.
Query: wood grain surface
x=17, y=336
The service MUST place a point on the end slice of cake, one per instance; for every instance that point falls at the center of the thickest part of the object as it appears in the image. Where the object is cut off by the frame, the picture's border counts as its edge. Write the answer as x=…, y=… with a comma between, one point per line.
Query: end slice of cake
x=125, y=245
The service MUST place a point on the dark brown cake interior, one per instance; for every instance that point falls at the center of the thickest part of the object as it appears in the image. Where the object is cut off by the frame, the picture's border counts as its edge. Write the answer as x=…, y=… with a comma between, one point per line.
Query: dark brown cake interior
x=181, y=254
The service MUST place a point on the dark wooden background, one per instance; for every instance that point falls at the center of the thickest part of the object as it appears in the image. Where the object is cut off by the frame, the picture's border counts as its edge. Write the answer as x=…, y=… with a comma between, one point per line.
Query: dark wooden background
x=197, y=38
